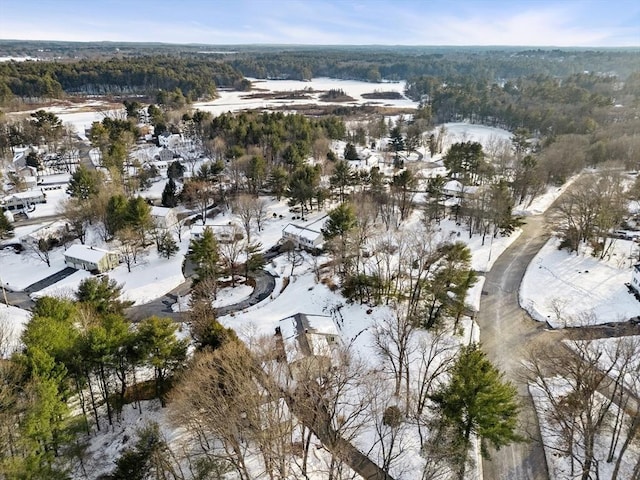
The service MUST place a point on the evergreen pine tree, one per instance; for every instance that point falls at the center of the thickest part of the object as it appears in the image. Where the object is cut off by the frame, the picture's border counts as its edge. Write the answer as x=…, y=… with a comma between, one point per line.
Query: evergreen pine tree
x=477, y=401
x=167, y=247
x=169, y=197
x=6, y=229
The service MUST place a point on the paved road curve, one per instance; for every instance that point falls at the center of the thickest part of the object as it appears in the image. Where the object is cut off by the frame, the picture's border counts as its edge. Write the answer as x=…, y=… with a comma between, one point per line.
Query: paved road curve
x=161, y=307
x=507, y=332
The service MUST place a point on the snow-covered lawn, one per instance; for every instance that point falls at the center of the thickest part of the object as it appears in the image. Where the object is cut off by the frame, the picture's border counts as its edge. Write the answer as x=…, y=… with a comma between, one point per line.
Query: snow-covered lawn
x=558, y=463
x=570, y=290
x=19, y=270
x=12, y=323
x=55, y=199
x=153, y=277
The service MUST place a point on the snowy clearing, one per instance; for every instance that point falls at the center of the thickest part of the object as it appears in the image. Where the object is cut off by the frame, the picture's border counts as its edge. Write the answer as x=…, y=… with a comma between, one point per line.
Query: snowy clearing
x=566, y=289
x=12, y=323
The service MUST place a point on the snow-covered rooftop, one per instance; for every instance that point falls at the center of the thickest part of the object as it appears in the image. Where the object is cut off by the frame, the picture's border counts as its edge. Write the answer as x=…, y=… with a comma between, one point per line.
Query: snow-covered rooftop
x=88, y=254
x=302, y=232
x=25, y=195
x=160, y=211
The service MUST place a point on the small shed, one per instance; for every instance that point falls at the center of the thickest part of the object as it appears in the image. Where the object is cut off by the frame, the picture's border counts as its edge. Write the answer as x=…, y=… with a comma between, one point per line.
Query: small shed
x=303, y=237
x=83, y=257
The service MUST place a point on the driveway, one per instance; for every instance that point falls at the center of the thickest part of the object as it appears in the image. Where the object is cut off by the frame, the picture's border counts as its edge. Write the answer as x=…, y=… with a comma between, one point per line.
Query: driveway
x=506, y=334
x=161, y=307
x=50, y=280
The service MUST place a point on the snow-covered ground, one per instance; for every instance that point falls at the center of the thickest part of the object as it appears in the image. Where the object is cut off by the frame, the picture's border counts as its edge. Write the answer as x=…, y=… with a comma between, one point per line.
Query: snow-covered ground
x=19, y=270
x=566, y=289
x=105, y=447
x=232, y=101
x=559, y=464
x=225, y=296
x=81, y=116
x=12, y=323
x=469, y=132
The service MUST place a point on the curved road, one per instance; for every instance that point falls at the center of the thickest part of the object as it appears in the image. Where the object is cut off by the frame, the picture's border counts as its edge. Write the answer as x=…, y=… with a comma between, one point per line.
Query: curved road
x=161, y=307
x=507, y=333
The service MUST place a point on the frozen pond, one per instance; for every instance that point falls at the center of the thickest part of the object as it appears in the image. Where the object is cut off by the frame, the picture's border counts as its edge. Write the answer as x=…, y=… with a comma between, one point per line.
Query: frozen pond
x=81, y=116
x=235, y=101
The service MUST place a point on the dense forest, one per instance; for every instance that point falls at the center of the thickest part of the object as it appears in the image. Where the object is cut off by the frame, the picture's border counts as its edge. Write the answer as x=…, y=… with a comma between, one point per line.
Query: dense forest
x=196, y=78
x=109, y=68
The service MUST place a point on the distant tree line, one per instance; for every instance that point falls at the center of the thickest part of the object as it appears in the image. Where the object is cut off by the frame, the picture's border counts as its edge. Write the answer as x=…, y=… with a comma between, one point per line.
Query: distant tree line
x=375, y=65
x=146, y=75
x=539, y=103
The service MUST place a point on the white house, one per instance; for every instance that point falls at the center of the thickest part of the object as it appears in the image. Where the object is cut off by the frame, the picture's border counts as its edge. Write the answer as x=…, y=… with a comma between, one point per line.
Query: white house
x=169, y=140
x=163, y=217
x=302, y=237
x=453, y=188
x=23, y=200
x=83, y=257
x=223, y=233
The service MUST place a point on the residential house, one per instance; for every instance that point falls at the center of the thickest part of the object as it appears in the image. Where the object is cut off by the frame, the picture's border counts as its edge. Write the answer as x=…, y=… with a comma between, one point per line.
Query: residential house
x=23, y=200
x=223, y=233
x=303, y=237
x=169, y=140
x=166, y=155
x=164, y=218
x=83, y=257
x=308, y=343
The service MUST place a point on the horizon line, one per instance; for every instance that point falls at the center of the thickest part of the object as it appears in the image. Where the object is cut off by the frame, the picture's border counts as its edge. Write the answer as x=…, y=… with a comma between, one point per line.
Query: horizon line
x=318, y=45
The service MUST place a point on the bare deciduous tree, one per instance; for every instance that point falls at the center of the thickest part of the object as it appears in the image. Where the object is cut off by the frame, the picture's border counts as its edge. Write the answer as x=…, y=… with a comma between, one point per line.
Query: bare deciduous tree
x=130, y=246
x=244, y=207
x=392, y=339
x=231, y=249
x=580, y=386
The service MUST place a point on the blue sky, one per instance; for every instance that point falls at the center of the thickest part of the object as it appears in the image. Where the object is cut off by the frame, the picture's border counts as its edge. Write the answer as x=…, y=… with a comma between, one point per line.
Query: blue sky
x=323, y=22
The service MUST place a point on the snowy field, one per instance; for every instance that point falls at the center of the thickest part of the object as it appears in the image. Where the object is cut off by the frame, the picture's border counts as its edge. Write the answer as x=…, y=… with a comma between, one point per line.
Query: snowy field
x=566, y=289
x=81, y=116
x=231, y=101
x=468, y=132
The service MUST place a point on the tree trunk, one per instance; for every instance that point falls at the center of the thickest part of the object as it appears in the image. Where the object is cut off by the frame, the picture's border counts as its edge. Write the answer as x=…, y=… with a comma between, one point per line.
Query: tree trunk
x=105, y=386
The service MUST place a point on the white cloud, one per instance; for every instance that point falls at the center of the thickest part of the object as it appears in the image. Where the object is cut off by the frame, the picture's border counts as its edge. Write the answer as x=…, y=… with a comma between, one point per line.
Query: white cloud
x=327, y=22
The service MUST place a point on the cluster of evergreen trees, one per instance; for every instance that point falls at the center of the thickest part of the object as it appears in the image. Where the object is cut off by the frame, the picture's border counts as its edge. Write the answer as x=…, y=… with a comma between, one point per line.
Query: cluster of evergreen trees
x=145, y=75
x=83, y=353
